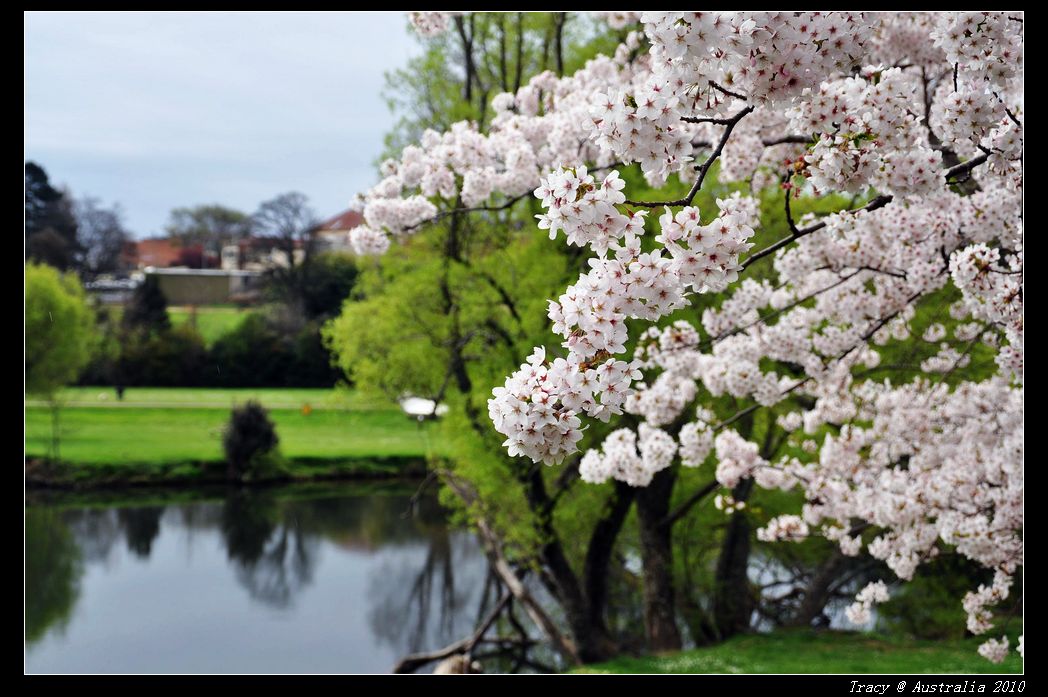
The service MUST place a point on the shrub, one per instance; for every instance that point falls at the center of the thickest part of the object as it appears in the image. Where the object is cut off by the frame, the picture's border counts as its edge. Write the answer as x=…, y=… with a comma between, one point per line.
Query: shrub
x=147, y=309
x=172, y=358
x=249, y=441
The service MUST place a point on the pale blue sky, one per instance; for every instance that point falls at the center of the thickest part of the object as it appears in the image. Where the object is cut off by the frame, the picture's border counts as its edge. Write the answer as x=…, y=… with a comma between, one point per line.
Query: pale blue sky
x=159, y=110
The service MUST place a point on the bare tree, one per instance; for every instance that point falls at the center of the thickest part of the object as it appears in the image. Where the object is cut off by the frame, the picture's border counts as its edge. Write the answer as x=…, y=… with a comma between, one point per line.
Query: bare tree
x=290, y=221
x=210, y=225
x=102, y=235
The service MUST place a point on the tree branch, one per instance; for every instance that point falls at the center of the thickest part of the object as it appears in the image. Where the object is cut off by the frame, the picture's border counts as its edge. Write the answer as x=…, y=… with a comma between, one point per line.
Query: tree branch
x=683, y=508
x=704, y=168
x=797, y=233
x=414, y=661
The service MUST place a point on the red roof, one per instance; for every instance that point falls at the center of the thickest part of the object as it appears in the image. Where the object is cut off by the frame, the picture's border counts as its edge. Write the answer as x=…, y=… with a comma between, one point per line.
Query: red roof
x=346, y=220
x=158, y=252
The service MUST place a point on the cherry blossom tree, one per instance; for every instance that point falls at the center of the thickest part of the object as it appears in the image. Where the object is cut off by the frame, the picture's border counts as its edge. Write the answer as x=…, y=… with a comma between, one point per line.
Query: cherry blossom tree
x=915, y=122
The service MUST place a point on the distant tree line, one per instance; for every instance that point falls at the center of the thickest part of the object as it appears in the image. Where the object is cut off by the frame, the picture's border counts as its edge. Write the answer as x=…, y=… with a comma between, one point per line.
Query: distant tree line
x=279, y=345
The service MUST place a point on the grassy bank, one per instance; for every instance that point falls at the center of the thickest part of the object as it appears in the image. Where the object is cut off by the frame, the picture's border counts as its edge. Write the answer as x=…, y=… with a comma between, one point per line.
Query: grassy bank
x=174, y=435
x=818, y=652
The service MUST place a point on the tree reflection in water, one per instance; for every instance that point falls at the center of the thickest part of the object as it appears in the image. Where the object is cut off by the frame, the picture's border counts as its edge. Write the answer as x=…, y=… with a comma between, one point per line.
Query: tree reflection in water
x=416, y=606
x=141, y=526
x=423, y=583
x=53, y=567
x=273, y=555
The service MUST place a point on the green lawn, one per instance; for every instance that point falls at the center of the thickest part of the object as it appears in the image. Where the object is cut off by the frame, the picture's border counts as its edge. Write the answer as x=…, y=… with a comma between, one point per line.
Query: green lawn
x=217, y=398
x=819, y=652
x=154, y=427
x=212, y=321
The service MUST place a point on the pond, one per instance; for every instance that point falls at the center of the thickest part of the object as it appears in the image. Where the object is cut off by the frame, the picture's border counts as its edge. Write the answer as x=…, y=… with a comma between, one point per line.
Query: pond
x=343, y=578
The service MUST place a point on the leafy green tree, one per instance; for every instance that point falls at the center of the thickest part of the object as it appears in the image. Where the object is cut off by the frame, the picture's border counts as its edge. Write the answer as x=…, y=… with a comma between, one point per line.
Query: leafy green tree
x=253, y=354
x=59, y=329
x=447, y=313
x=60, y=336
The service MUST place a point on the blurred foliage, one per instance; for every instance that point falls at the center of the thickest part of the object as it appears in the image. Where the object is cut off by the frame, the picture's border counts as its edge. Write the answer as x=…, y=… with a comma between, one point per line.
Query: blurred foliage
x=60, y=334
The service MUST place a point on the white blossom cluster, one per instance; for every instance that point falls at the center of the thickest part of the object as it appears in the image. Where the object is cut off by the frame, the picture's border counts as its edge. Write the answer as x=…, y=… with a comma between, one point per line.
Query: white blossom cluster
x=737, y=458
x=631, y=457
x=980, y=619
x=766, y=56
x=537, y=409
x=728, y=504
x=995, y=650
x=429, y=24
x=619, y=20
x=859, y=611
x=867, y=135
x=586, y=211
x=784, y=527
x=535, y=130
x=992, y=290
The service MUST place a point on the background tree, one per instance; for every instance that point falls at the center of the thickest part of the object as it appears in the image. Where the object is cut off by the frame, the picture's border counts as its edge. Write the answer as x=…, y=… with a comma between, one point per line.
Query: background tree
x=147, y=310
x=102, y=236
x=60, y=335
x=211, y=225
x=50, y=223
x=59, y=329
x=290, y=222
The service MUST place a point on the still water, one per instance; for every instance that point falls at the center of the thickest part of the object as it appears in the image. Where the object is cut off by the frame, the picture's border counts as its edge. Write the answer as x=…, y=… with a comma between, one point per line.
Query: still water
x=333, y=578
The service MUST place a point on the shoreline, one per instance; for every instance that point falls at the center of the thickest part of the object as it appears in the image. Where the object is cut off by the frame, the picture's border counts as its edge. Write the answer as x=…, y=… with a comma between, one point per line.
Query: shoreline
x=45, y=475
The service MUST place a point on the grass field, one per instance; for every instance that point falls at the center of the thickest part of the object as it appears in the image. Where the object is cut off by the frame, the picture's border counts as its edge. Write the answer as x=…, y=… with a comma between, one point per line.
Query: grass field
x=155, y=427
x=212, y=321
x=819, y=652
x=218, y=398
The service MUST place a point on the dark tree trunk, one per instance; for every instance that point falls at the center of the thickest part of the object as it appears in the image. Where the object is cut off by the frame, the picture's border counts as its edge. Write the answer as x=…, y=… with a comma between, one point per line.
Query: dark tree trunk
x=598, y=553
x=817, y=594
x=586, y=620
x=558, y=47
x=733, y=601
x=653, y=506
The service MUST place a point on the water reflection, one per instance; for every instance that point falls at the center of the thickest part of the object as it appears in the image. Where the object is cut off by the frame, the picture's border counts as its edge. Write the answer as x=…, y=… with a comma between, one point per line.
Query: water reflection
x=141, y=526
x=338, y=579
x=53, y=565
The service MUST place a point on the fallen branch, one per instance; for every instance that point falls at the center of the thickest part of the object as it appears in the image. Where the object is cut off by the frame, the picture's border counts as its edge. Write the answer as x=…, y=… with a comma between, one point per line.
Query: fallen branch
x=412, y=662
x=509, y=578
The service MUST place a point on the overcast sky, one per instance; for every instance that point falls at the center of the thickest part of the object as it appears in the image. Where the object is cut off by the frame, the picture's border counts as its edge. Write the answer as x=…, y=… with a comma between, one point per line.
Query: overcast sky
x=159, y=110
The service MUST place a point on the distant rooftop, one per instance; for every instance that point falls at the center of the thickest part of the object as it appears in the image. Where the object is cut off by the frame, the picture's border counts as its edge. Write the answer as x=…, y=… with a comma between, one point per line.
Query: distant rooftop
x=346, y=220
